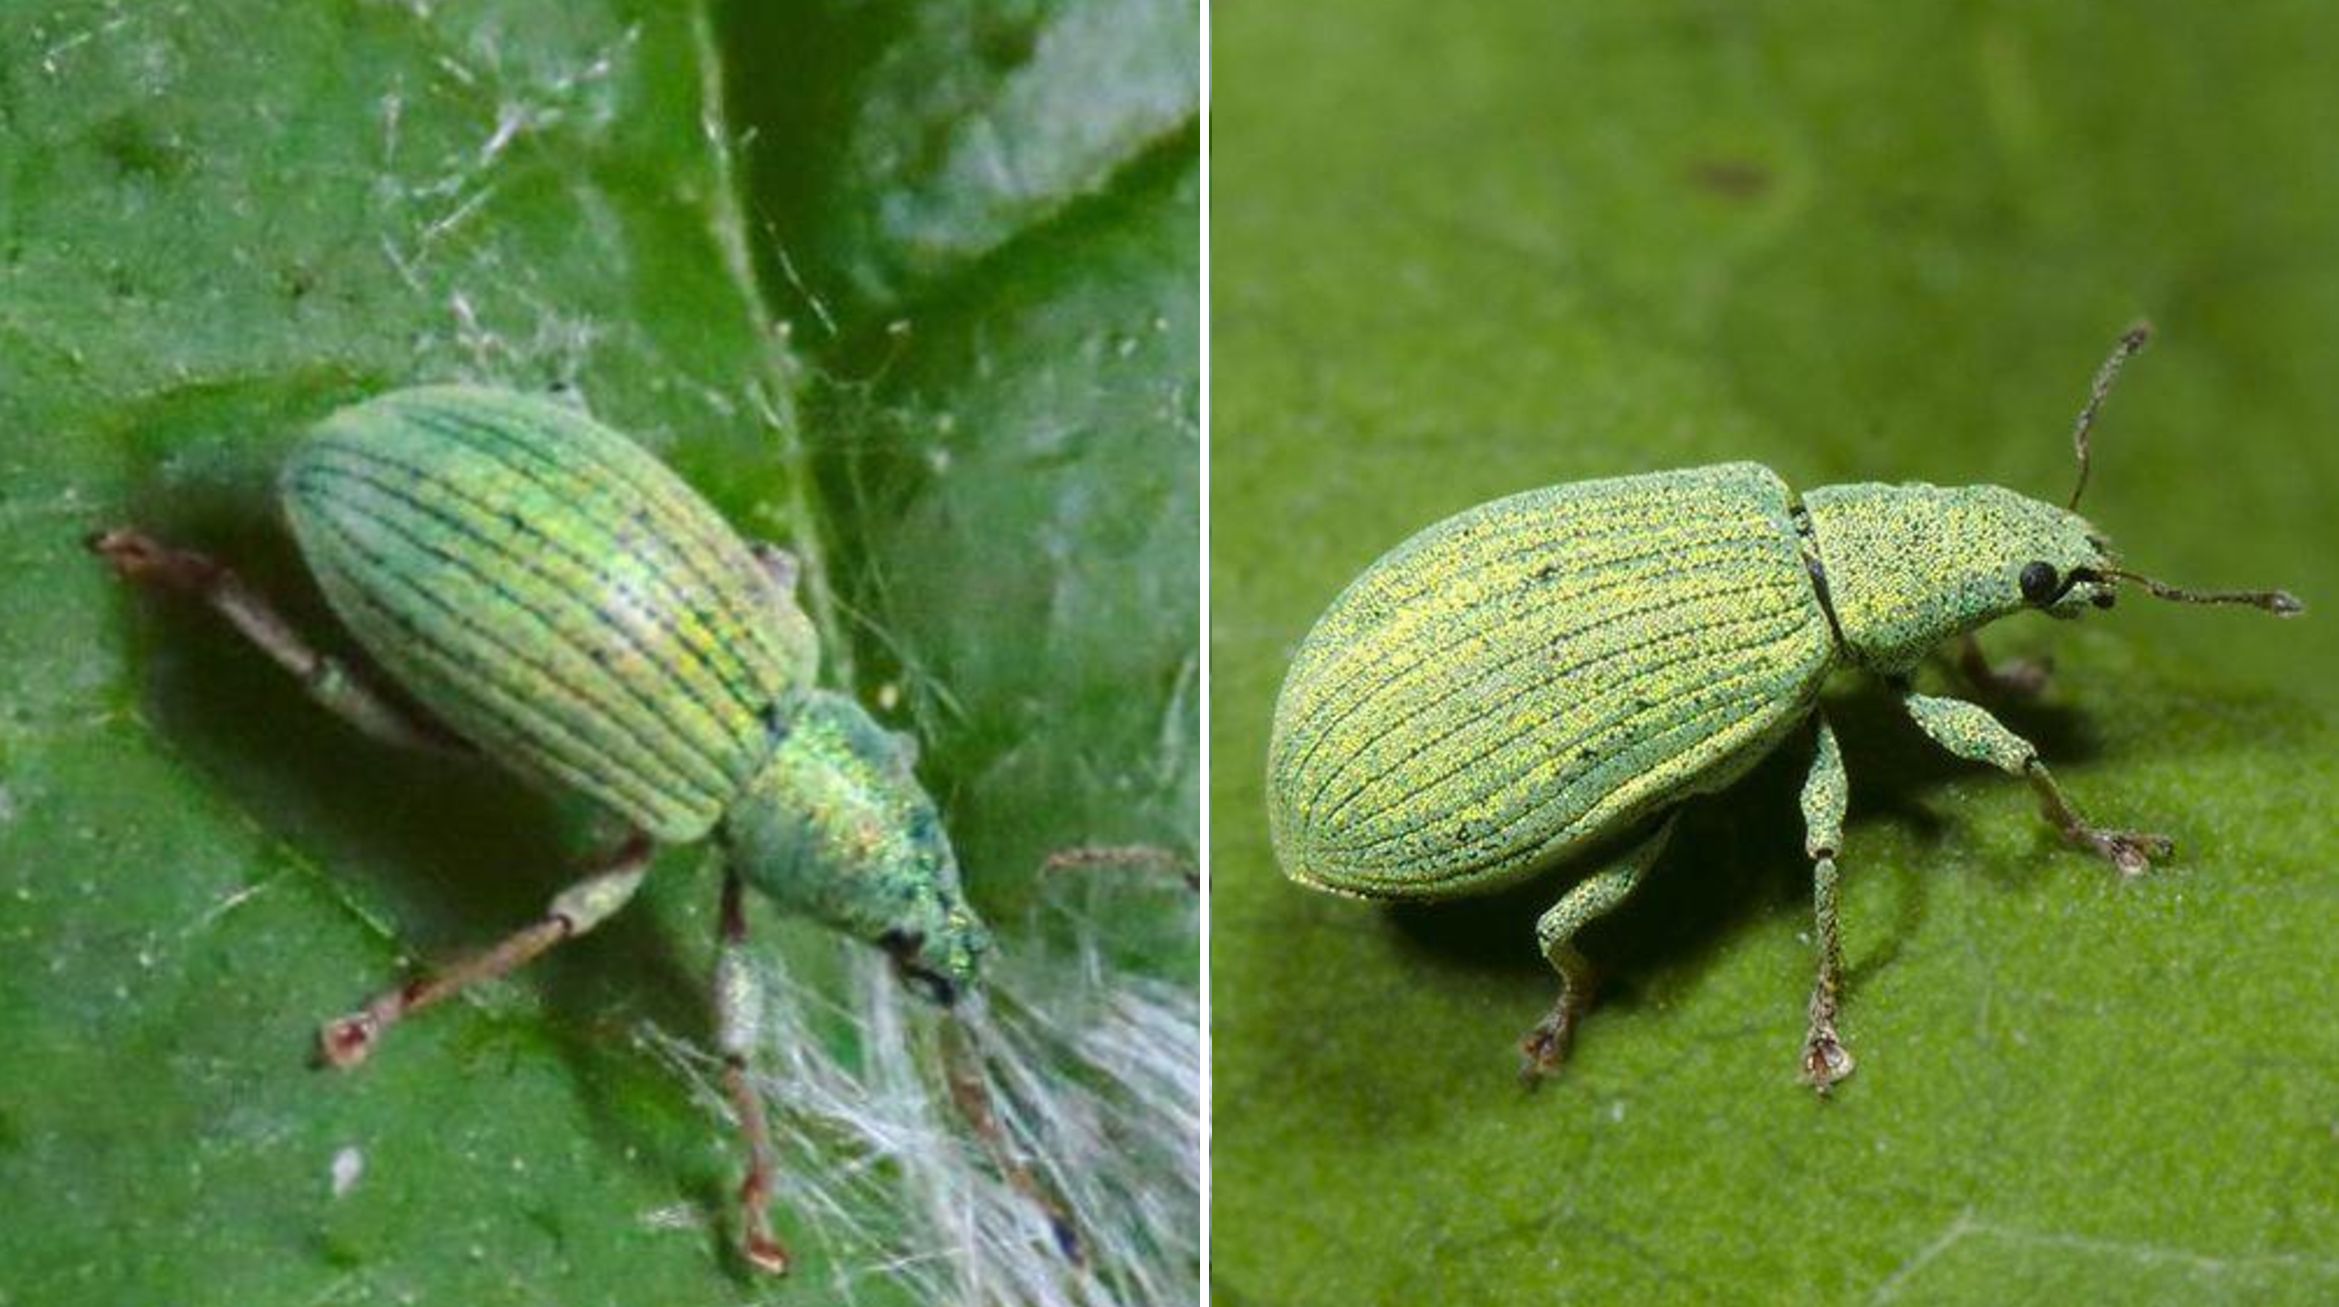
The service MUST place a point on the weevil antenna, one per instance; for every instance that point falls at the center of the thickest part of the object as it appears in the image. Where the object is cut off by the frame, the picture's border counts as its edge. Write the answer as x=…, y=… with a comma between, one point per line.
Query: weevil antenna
x=2281, y=603
x=2131, y=342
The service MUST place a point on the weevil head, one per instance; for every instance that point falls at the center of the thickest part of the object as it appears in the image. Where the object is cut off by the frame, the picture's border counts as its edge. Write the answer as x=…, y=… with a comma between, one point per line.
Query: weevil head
x=837, y=827
x=1907, y=567
x=1903, y=568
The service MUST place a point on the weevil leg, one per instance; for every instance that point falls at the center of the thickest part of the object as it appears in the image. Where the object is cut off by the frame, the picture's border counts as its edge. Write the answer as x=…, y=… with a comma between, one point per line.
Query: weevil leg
x=778, y=564
x=140, y=558
x=1972, y=733
x=738, y=1025
x=970, y=1093
x=345, y=1041
x=2016, y=678
x=1546, y=1045
x=1826, y=794
x=1139, y=857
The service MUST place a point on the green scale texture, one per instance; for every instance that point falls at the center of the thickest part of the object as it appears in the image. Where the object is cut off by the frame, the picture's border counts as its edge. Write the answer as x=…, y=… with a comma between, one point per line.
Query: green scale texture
x=555, y=594
x=1532, y=675
x=837, y=828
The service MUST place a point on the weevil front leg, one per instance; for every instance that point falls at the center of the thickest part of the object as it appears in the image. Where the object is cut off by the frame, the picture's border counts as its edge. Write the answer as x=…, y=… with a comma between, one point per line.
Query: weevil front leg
x=738, y=1024
x=345, y=1041
x=1138, y=857
x=1826, y=794
x=141, y=558
x=1972, y=733
x=1546, y=1045
x=2017, y=678
x=970, y=1093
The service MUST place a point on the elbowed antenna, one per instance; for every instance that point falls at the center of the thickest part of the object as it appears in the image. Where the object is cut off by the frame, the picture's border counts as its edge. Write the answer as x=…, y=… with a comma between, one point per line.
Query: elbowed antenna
x=2132, y=341
x=2281, y=603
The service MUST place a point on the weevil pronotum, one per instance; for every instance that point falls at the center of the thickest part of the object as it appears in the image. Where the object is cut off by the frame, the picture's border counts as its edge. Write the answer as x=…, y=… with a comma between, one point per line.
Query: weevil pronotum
x=562, y=603
x=1545, y=678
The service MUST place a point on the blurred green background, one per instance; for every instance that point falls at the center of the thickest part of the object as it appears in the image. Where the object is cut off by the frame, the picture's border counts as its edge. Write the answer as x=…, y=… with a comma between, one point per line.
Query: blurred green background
x=911, y=286
x=1460, y=250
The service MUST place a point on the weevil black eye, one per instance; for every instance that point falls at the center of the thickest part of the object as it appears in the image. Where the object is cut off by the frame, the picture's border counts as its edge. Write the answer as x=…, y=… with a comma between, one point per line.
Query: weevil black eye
x=2038, y=583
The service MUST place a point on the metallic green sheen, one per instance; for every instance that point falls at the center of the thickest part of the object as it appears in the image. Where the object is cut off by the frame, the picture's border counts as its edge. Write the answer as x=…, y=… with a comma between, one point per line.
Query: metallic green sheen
x=554, y=594
x=837, y=828
x=1529, y=678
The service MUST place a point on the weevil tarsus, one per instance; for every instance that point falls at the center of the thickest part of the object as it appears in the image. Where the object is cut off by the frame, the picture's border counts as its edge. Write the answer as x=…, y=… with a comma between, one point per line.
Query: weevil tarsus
x=1546, y=1045
x=738, y=999
x=608, y=886
x=1970, y=732
x=1826, y=796
x=144, y=560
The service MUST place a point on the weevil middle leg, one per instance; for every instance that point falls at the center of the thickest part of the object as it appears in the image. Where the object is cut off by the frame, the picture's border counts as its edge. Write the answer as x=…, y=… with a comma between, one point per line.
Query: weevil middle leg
x=1826, y=795
x=345, y=1041
x=139, y=557
x=1970, y=732
x=1546, y=1045
x=778, y=564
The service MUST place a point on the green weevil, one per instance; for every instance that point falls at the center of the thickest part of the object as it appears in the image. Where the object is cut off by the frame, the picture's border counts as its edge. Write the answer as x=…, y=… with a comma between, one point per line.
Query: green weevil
x=1543, y=679
x=563, y=604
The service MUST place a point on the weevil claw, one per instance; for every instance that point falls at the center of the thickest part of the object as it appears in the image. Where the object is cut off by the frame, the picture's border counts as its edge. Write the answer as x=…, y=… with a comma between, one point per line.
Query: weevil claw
x=1068, y=1239
x=1545, y=1048
x=344, y=1042
x=1825, y=1059
x=2132, y=852
x=765, y=1254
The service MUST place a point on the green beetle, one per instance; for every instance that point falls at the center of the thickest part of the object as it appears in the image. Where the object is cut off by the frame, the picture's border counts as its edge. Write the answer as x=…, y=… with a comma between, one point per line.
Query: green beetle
x=1545, y=678
x=562, y=603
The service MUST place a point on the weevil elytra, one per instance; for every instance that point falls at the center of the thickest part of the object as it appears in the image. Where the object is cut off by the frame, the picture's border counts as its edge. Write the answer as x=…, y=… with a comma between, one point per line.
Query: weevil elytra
x=1544, y=679
x=562, y=603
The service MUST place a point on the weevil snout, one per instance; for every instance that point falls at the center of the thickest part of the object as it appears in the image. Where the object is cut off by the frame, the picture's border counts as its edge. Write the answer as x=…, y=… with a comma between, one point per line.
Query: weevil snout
x=940, y=965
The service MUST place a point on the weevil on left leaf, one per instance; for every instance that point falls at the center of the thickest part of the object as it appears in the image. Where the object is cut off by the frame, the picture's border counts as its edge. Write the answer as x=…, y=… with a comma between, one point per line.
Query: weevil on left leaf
x=563, y=604
x=1542, y=680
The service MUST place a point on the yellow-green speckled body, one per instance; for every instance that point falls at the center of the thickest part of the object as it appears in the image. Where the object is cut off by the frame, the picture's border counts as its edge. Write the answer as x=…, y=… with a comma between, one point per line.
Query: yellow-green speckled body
x=553, y=593
x=1529, y=677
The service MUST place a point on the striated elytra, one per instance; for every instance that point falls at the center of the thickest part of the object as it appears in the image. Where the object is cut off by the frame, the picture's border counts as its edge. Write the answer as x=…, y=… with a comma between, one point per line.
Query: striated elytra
x=1544, y=679
x=561, y=602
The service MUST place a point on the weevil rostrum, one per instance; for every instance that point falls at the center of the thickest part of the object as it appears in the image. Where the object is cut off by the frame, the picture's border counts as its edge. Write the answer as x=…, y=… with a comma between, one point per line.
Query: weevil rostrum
x=1542, y=680
x=562, y=603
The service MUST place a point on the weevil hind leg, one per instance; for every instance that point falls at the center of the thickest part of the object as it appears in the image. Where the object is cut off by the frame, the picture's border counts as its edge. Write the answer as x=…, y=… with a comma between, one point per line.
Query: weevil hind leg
x=1972, y=733
x=140, y=558
x=738, y=1022
x=347, y=1040
x=1546, y=1046
x=1826, y=796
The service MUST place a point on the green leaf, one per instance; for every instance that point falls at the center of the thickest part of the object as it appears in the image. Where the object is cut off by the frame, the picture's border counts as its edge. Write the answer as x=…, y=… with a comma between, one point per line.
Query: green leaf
x=219, y=222
x=1465, y=251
